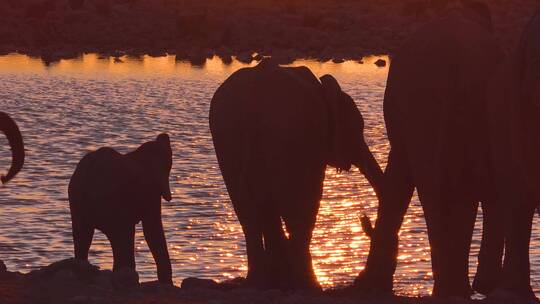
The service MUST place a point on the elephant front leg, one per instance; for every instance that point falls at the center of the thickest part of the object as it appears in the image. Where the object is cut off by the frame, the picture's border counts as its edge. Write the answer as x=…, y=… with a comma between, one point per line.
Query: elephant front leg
x=155, y=238
x=395, y=197
x=82, y=238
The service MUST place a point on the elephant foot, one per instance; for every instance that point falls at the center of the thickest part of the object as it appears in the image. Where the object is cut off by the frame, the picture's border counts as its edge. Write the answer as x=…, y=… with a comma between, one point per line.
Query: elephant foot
x=303, y=286
x=367, y=281
x=456, y=288
x=501, y=295
x=125, y=278
x=463, y=292
x=256, y=280
x=485, y=283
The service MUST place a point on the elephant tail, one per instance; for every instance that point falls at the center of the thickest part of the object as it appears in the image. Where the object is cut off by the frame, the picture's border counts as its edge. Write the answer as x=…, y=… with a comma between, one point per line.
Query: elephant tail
x=367, y=227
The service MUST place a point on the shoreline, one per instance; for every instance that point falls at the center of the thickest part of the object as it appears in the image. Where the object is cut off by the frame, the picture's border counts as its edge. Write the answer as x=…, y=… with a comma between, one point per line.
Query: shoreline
x=71, y=281
x=193, y=31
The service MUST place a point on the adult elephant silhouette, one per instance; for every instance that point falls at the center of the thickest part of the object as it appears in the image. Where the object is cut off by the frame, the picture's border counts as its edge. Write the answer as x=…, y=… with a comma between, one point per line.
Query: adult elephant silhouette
x=15, y=139
x=514, y=116
x=113, y=192
x=435, y=114
x=275, y=129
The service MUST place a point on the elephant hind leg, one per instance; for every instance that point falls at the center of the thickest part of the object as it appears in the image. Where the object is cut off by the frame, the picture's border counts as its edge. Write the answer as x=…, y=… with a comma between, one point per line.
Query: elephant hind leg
x=516, y=267
x=255, y=253
x=123, y=247
x=450, y=226
x=459, y=228
x=82, y=238
x=489, y=270
x=277, y=253
x=300, y=225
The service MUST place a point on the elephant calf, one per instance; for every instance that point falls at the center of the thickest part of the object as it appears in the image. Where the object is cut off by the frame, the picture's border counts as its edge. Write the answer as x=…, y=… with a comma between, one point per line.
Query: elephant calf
x=113, y=192
x=275, y=129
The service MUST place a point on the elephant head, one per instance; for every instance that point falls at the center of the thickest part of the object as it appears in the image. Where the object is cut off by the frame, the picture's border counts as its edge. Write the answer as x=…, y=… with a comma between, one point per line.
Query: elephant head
x=347, y=144
x=157, y=159
x=10, y=129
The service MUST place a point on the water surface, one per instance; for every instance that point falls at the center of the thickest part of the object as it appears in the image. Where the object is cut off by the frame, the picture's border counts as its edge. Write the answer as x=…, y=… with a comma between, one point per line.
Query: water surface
x=71, y=107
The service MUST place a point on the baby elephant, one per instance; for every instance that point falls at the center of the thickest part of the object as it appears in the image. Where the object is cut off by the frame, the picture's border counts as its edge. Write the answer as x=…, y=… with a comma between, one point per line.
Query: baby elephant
x=113, y=192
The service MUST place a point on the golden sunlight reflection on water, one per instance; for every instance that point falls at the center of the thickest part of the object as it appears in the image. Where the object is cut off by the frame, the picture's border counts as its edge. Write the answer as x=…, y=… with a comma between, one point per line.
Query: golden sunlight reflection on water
x=73, y=106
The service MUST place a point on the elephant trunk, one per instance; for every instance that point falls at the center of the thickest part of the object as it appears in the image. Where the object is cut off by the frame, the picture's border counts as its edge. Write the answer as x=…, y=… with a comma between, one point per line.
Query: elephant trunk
x=369, y=166
x=14, y=137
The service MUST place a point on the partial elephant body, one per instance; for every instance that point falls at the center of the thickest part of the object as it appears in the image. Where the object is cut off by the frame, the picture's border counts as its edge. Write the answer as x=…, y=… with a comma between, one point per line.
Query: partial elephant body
x=514, y=114
x=516, y=92
x=434, y=105
x=274, y=130
x=113, y=192
x=434, y=110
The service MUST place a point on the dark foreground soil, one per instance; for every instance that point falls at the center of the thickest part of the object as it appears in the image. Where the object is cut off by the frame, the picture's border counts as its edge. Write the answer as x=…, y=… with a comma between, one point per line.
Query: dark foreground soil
x=76, y=282
x=195, y=29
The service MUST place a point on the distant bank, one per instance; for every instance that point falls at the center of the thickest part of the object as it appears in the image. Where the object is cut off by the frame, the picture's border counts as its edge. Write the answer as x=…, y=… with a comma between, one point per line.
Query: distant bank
x=195, y=29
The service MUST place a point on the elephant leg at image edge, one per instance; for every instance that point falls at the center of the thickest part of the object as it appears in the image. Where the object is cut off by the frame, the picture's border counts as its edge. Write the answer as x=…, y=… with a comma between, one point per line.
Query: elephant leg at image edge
x=489, y=270
x=516, y=266
x=397, y=192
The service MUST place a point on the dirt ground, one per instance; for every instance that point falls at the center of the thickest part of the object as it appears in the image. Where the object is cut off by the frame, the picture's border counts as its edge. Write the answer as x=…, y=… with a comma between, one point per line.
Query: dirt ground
x=75, y=282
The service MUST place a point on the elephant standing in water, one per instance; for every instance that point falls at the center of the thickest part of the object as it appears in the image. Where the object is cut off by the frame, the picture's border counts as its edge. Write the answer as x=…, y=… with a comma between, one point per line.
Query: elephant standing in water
x=113, y=192
x=434, y=109
x=515, y=127
x=275, y=129
x=14, y=137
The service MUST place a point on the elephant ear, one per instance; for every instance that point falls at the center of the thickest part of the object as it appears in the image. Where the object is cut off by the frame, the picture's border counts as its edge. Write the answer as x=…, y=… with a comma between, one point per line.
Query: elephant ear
x=346, y=126
x=165, y=148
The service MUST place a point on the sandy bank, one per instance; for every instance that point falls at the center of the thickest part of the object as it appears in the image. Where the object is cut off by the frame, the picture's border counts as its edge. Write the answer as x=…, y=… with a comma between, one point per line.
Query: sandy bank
x=195, y=29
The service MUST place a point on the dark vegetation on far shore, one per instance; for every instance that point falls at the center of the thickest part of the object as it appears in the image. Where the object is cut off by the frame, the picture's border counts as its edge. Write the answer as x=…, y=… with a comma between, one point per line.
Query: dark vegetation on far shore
x=196, y=29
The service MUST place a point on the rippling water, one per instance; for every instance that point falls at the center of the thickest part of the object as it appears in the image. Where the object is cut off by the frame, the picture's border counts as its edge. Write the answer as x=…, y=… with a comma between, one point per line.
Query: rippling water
x=69, y=108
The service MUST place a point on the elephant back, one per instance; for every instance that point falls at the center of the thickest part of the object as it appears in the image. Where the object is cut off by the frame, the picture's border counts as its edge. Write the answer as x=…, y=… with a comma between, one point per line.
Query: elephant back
x=99, y=185
x=282, y=105
x=269, y=123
